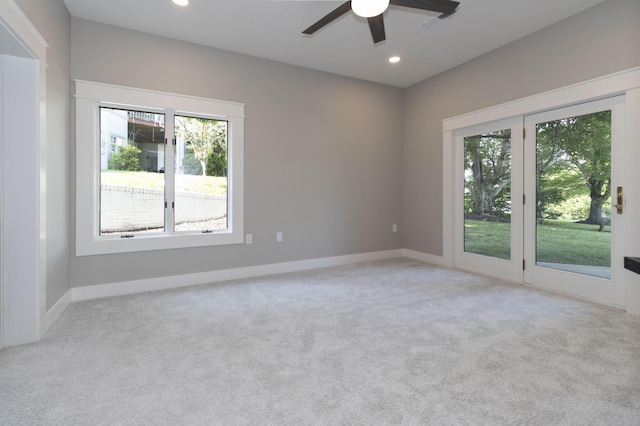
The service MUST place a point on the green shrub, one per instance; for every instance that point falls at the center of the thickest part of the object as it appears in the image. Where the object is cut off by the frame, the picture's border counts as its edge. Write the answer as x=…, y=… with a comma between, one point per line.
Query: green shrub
x=190, y=164
x=125, y=158
x=217, y=162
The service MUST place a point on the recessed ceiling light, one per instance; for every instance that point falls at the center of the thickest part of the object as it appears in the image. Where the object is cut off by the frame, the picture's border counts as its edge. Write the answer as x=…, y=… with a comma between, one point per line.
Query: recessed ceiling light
x=394, y=59
x=181, y=2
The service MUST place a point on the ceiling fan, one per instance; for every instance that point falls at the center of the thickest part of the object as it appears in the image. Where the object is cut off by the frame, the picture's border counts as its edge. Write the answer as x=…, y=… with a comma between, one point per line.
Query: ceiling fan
x=373, y=10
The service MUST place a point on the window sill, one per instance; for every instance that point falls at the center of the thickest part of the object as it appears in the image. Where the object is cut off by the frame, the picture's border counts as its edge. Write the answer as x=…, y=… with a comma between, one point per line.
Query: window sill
x=110, y=245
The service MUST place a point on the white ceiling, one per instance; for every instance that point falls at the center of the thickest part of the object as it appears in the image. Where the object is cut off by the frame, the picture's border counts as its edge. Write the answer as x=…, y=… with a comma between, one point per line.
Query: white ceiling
x=272, y=29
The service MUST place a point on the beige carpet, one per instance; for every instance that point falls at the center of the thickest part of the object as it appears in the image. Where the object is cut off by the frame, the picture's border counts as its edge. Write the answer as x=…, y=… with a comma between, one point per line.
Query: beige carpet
x=390, y=342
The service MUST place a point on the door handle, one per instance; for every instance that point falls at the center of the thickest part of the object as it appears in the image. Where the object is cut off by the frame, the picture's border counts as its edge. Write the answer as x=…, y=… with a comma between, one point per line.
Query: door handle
x=619, y=200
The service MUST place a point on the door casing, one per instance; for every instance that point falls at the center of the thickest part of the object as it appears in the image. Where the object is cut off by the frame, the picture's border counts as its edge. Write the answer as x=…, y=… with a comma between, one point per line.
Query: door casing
x=622, y=83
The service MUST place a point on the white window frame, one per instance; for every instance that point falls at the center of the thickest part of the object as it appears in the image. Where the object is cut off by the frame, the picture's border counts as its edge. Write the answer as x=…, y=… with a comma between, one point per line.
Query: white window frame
x=90, y=96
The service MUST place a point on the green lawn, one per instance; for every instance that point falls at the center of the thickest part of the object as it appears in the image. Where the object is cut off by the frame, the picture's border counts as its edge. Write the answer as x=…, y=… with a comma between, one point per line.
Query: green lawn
x=557, y=242
x=188, y=183
x=487, y=238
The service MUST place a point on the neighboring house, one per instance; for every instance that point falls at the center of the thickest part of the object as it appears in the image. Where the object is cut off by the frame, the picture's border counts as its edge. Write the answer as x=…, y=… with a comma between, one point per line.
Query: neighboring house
x=113, y=134
x=144, y=130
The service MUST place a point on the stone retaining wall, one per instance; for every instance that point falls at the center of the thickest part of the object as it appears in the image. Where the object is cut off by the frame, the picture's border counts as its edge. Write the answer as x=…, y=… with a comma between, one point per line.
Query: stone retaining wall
x=141, y=208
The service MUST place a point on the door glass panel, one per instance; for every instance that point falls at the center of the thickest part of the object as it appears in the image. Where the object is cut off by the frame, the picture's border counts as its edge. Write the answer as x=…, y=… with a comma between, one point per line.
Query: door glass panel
x=573, y=194
x=487, y=194
x=201, y=174
x=131, y=171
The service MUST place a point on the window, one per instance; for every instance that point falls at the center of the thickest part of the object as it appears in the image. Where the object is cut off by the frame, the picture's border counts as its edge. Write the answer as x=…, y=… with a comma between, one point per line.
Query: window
x=156, y=170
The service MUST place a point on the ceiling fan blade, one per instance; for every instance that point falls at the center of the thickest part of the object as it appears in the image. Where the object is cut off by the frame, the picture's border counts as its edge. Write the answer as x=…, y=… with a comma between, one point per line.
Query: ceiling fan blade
x=330, y=17
x=376, y=25
x=445, y=7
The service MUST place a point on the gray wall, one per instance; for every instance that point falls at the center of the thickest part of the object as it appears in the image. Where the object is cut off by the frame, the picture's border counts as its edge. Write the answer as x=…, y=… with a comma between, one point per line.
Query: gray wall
x=323, y=153
x=599, y=41
x=52, y=20
x=330, y=161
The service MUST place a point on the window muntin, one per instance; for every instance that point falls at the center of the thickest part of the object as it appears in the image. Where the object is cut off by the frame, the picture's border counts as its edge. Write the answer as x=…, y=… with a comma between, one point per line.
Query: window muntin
x=94, y=147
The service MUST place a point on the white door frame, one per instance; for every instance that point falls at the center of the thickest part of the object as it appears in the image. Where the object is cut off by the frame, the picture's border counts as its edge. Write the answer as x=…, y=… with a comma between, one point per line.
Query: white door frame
x=607, y=291
x=622, y=83
x=23, y=213
x=512, y=268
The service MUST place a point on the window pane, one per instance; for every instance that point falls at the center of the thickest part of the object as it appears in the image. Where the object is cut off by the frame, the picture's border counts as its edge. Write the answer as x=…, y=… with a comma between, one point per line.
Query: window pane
x=131, y=171
x=200, y=174
x=573, y=205
x=487, y=194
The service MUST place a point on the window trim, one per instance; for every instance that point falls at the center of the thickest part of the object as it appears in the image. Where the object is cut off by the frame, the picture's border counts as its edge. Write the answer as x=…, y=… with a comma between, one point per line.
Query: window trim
x=89, y=97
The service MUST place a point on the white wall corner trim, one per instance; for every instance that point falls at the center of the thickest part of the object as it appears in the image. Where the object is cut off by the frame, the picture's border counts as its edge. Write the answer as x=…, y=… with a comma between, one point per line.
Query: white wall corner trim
x=186, y=280
x=23, y=209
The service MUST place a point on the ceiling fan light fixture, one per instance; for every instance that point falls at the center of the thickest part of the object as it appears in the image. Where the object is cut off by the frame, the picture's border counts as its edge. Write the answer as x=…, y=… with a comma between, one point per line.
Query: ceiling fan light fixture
x=369, y=8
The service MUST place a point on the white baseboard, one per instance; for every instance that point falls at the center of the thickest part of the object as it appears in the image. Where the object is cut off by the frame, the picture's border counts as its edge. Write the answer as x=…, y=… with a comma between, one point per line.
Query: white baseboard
x=425, y=257
x=177, y=281
x=57, y=310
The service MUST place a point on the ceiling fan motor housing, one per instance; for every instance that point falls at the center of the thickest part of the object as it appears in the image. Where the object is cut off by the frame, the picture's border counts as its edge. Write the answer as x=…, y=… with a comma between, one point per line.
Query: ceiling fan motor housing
x=373, y=10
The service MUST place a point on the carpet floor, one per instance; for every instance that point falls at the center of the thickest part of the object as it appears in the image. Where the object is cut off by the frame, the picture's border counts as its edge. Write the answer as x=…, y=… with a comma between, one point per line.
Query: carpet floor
x=388, y=342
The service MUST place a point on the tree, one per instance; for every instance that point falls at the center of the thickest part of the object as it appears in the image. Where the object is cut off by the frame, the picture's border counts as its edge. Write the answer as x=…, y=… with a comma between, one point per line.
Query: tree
x=586, y=144
x=590, y=153
x=203, y=136
x=552, y=180
x=487, y=168
x=555, y=186
x=125, y=158
x=190, y=165
x=217, y=160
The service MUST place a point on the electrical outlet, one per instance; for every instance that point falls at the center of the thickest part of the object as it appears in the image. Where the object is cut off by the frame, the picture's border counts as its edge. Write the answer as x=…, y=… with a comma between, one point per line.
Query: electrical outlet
x=394, y=228
x=248, y=239
x=279, y=237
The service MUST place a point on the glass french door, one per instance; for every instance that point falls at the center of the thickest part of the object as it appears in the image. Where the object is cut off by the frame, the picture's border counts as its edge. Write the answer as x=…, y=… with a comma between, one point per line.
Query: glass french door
x=488, y=183
x=572, y=173
x=535, y=206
